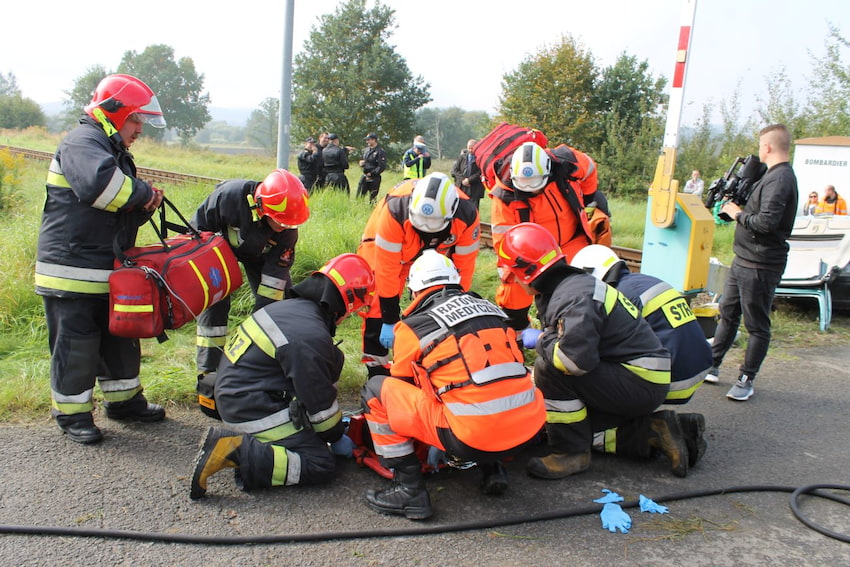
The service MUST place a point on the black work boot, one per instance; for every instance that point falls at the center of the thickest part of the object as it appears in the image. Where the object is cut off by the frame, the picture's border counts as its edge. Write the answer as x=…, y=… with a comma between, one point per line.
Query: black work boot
x=217, y=451
x=79, y=427
x=693, y=427
x=407, y=496
x=666, y=435
x=558, y=465
x=137, y=408
x=494, y=478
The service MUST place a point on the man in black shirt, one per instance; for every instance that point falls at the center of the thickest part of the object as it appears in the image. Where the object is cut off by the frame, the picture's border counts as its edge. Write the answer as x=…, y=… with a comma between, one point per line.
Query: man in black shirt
x=374, y=162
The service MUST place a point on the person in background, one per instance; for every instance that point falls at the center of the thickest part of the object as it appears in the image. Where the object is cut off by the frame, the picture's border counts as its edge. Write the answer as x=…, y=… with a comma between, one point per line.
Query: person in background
x=467, y=174
x=458, y=383
x=94, y=200
x=762, y=228
x=695, y=184
x=374, y=162
x=415, y=215
x=416, y=160
x=832, y=203
x=276, y=388
x=335, y=160
x=599, y=364
x=307, y=164
x=321, y=144
x=810, y=206
x=259, y=220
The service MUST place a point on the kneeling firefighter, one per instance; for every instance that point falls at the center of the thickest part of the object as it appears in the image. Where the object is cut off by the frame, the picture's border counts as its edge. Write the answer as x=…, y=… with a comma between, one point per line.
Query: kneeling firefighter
x=458, y=383
x=276, y=388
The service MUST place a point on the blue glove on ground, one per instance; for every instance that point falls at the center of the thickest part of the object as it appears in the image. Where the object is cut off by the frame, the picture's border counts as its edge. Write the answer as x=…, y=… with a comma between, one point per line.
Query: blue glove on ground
x=614, y=518
x=344, y=446
x=647, y=505
x=609, y=497
x=529, y=337
x=435, y=457
x=387, y=335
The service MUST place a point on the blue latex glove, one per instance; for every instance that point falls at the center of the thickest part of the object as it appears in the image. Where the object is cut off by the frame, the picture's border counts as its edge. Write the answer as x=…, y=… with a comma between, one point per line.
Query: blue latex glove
x=529, y=337
x=344, y=446
x=647, y=505
x=609, y=497
x=614, y=518
x=436, y=457
x=387, y=335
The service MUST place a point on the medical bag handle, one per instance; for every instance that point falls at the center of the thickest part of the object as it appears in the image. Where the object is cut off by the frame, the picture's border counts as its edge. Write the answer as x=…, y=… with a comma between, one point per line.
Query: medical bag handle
x=162, y=229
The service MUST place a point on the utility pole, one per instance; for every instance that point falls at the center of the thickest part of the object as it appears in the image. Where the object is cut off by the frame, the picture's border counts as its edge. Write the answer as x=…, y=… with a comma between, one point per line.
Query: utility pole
x=285, y=116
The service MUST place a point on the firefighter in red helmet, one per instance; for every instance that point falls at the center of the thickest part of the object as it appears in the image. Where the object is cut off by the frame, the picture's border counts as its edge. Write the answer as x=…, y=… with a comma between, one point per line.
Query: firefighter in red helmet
x=94, y=200
x=260, y=220
x=276, y=389
x=599, y=364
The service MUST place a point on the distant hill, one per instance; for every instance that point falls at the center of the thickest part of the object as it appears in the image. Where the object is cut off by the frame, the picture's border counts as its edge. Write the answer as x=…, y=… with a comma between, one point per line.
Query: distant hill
x=233, y=116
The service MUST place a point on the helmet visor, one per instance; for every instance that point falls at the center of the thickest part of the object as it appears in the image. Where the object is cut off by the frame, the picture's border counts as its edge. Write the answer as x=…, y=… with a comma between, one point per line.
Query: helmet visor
x=428, y=224
x=529, y=184
x=151, y=113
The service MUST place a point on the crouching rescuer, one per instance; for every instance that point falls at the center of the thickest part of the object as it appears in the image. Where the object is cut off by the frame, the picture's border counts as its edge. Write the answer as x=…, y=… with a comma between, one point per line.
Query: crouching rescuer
x=457, y=383
x=276, y=390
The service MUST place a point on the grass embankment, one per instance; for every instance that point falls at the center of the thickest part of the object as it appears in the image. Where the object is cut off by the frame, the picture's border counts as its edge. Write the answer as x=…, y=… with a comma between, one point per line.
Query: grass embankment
x=168, y=369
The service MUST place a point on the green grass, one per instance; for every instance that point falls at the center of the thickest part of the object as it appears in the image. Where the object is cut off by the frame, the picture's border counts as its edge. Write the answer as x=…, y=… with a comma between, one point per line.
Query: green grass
x=335, y=225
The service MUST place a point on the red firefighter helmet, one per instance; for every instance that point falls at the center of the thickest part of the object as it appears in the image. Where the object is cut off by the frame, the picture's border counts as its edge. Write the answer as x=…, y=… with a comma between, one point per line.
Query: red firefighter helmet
x=526, y=251
x=283, y=198
x=354, y=279
x=119, y=96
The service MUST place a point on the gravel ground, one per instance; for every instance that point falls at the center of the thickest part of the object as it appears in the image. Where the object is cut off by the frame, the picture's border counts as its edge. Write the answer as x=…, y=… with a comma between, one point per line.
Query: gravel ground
x=793, y=432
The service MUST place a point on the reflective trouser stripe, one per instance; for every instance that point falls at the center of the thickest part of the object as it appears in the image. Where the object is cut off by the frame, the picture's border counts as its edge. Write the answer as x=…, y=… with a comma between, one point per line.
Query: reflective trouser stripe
x=606, y=441
x=287, y=467
x=119, y=390
x=684, y=389
x=565, y=411
x=78, y=403
x=654, y=376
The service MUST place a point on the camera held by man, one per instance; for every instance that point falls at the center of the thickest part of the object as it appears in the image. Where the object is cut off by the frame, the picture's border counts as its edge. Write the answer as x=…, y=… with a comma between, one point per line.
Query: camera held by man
x=737, y=185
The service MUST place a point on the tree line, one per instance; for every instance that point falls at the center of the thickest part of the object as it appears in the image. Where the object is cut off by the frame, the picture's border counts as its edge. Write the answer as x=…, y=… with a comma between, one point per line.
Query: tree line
x=348, y=79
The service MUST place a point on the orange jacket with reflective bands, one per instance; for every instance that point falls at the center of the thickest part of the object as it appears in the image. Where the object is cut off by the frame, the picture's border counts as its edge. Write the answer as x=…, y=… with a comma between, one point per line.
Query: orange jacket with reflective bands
x=457, y=345
x=390, y=243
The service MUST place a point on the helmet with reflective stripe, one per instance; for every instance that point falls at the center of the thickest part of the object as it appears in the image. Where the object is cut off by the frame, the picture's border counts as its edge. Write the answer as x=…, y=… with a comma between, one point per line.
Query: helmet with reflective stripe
x=119, y=96
x=283, y=198
x=433, y=203
x=530, y=168
x=599, y=261
x=526, y=251
x=431, y=269
x=354, y=279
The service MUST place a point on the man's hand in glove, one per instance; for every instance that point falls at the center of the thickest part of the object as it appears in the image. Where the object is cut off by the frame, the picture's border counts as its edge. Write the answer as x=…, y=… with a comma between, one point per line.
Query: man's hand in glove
x=614, y=518
x=387, y=335
x=436, y=457
x=344, y=446
x=529, y=337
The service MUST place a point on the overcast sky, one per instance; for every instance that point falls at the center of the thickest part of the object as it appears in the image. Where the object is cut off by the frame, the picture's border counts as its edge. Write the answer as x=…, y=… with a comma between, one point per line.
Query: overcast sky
x=461, y=47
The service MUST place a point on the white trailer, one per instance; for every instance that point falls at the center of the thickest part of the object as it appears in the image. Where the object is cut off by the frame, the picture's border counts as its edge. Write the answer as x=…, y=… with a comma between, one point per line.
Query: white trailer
x=819, y=162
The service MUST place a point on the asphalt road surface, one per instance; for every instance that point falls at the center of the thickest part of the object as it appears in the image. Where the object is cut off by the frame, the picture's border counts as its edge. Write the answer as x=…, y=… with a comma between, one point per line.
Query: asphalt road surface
x=793, y=432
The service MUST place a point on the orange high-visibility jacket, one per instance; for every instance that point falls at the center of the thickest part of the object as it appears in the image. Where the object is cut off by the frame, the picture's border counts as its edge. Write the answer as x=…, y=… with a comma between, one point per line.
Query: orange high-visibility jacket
x=390, y=243
x=457, y=345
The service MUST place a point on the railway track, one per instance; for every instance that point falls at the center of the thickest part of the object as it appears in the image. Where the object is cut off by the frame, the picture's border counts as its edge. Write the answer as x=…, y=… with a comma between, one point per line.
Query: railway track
x=631, y=256
x=148, y=174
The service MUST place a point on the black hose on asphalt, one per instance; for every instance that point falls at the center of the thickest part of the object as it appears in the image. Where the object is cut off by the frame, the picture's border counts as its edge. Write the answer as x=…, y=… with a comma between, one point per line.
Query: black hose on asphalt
x=812, y=490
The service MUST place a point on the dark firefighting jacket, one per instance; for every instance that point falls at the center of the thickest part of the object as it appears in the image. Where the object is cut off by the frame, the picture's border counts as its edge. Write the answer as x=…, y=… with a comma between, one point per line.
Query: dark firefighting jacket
x=231, y=210
x=457, y=346
x=280, y=354
x=676, y=327
x=586, y=321
x=93, y=200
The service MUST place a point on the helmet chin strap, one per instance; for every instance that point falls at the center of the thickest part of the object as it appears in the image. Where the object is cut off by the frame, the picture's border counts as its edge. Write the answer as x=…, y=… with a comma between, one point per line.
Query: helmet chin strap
x=108, y=126
x=254, y=206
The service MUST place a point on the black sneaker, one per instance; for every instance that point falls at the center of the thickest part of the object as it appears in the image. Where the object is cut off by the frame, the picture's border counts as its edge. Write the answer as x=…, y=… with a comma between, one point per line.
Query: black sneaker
x=137, y=408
